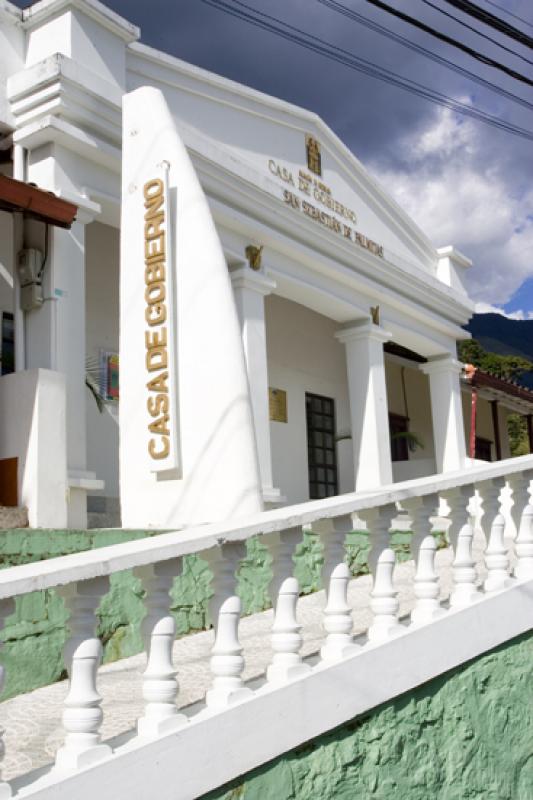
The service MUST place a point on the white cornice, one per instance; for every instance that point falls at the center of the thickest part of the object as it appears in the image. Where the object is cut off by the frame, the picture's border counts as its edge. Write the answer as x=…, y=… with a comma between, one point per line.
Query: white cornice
x=10, y=13
x=43, y=10
x=283, y=113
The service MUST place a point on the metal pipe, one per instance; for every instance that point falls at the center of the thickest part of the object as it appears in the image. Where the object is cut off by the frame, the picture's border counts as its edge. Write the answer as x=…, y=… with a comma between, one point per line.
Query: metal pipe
x=473, y=415
x=19, y=173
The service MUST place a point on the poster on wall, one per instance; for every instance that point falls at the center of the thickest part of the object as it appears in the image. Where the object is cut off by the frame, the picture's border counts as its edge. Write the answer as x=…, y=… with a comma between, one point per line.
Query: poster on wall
x=109, y=375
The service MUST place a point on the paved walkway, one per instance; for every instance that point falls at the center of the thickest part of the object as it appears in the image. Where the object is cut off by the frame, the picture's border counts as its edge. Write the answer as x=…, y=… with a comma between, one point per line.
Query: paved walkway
x=32, y=722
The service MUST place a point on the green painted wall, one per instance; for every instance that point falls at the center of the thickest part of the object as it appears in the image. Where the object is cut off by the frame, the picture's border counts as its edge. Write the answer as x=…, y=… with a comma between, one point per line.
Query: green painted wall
x=34, y=635
x=467, y=735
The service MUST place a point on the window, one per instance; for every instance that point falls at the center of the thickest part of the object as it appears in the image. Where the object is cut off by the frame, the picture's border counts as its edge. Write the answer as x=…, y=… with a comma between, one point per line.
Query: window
x=8, y=343
x=483, y=449
x=321, y=451
x=399, y=446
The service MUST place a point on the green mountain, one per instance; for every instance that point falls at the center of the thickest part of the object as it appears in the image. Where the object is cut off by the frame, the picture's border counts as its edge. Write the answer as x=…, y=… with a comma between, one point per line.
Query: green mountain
x=498, y=334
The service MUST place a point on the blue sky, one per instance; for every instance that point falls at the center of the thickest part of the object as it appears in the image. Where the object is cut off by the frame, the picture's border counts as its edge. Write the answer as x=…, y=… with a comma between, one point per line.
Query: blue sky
x=465, y=183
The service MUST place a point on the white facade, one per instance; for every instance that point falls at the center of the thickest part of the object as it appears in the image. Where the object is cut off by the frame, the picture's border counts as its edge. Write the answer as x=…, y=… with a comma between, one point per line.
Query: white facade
x=335, y=246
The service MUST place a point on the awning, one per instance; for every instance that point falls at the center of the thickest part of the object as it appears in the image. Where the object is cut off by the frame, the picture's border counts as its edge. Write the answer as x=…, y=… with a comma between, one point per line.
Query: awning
x=35, y=203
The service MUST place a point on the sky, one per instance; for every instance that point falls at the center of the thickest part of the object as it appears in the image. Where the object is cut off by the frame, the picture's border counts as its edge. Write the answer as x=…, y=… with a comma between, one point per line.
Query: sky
x=463, y=182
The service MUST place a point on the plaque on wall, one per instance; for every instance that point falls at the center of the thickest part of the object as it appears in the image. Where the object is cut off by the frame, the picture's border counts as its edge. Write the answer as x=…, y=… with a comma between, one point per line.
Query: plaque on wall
x=277, y=402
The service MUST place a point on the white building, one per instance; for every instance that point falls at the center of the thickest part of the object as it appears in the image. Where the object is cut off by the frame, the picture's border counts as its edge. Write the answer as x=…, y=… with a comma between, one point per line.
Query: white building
x=349, y=315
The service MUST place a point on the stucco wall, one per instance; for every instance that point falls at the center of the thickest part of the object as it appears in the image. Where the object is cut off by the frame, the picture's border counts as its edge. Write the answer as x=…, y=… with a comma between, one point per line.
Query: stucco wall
x=304, y=356
x=467, y=734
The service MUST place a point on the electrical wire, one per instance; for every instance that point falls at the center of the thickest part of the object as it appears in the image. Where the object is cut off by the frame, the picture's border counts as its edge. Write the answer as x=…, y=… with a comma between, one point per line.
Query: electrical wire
x=473, y=10
x=340, y=8
x=510, y=13
x=477, y=32
x=335, y=53
x=448, y=40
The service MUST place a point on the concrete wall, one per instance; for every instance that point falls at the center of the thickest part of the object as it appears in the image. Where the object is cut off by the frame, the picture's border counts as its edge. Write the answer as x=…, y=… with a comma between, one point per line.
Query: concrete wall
x=102, y=303
x=304, y=356
x=33, y=430
x=6, y=263
x=465, y=734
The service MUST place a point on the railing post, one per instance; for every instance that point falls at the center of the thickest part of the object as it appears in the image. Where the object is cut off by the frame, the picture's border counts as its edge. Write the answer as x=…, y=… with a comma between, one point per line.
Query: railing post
x=286, y=638
x=381, y=560
x=338, y=622
x=82, y=715
x=227, y=662
x=160, y=686
x=420, y=510
x=493, y=524
x=7, y=607
x=519, y=483
x=461, y=535
x=281, y=547
x=427, y=607
x=524, y=541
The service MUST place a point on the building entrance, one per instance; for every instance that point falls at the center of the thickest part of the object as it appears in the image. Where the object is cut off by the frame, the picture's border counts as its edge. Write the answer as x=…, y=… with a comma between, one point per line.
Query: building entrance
x=321, y=450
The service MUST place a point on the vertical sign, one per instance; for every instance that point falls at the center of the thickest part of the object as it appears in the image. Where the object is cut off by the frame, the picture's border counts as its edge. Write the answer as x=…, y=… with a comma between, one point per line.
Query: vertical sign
x=160, y=327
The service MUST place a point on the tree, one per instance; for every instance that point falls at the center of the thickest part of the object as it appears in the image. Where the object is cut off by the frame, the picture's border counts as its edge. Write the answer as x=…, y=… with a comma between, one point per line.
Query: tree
x=506, y=367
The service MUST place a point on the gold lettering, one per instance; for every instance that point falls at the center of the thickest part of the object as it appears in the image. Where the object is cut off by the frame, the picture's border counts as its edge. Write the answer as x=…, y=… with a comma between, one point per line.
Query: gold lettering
x=154, y=247
x=160, y=315
x=154, y=272
x=156, y=358
x=157, y=405
x=159, y=383
x=155, y=338
x=157, y=454
x=160, y=426
x=155, y=293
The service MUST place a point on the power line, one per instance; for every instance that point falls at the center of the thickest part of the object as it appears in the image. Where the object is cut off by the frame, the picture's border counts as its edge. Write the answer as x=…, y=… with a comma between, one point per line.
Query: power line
x=492, y=21
x=477, y=32
x=335, y=53
x=448, y=40
x=396, y=37
x=510, y=13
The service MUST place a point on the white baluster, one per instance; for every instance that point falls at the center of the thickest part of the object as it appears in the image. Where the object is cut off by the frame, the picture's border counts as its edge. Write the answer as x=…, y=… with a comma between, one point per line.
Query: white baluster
x=282, y=546
x=464, y=574
x=338, y=622
x=489, y=493
x=519, y=484
x=160, y=686
x=7, y=607
x=286, y=638
x=426, y=587
x=82, y=716
x=378, y=522
x=384, y=600
x=227, y=662
x=496, y=558
x=524, y=545
x=420, y=510
x=458, y=500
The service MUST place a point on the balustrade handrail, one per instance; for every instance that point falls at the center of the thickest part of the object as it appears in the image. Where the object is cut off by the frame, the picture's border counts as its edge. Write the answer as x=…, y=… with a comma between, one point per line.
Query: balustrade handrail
x=107, y=560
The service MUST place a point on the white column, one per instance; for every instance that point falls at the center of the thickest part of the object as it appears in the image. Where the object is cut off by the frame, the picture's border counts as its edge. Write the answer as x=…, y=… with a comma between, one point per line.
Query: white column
x=250, y=289
x=447, y=412
x=368, y=403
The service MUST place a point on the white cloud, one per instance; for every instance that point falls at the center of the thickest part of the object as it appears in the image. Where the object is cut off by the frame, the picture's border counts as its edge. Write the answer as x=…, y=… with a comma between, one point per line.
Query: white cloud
x=454, y=188
x=487, y=308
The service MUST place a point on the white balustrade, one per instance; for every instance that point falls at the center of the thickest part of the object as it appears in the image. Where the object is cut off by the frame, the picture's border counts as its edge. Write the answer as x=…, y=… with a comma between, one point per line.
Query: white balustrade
x=286, y=638
x=227, y=662
x=519, y=483
x=160, y=686
x=524, y=545
x=82, y=715
x=384, y=600
x=426, y=585
x=158, y=562
x=282, y=546
x=420, y=510
x=338, y=622
x=7, y=607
